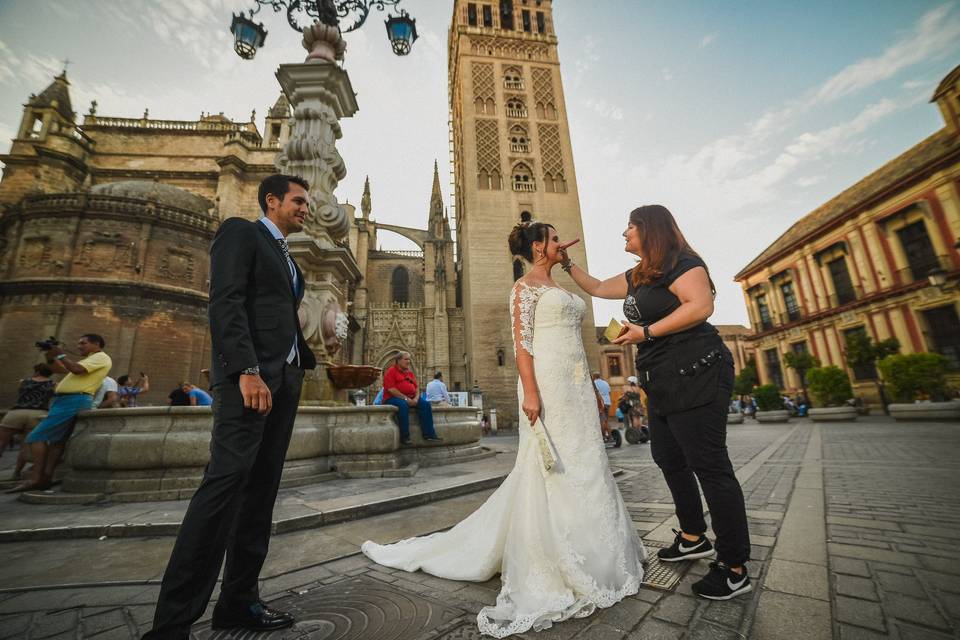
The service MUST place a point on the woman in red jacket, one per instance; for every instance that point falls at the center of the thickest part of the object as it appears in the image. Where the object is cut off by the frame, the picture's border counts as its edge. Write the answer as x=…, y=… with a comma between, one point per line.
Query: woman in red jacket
x=400, y=390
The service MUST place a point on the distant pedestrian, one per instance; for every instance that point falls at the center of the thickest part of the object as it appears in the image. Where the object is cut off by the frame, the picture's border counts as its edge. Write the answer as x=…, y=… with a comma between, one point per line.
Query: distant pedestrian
x=178, y=397
x=130, y=392
x=197, y=396
x=437, y=391
x=603, y=388
x=33, y=398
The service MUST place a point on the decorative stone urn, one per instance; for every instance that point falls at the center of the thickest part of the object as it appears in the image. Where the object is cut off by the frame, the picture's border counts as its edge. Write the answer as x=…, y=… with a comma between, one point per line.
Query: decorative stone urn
x=926, y=411
x=735, y=418
x=772, y=416
x=845, y=413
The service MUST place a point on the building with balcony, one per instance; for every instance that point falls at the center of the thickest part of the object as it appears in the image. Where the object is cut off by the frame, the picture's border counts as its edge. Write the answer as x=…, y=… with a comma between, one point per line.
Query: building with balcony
x=880, y=258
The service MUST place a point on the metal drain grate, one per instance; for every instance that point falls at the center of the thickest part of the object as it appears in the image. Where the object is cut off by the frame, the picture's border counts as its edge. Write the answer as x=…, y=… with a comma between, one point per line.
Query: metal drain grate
x=661, y=575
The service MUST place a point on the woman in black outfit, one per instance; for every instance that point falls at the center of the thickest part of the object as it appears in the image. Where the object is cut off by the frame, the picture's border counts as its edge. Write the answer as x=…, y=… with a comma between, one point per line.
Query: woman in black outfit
x=687, y=373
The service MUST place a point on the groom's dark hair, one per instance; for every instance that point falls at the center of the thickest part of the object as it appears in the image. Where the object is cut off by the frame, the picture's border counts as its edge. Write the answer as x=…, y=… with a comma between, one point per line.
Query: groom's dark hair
x=278, y=184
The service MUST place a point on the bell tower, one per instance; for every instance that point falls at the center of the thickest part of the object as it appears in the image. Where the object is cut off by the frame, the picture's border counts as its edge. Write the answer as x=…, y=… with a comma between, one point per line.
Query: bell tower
x=512, y=160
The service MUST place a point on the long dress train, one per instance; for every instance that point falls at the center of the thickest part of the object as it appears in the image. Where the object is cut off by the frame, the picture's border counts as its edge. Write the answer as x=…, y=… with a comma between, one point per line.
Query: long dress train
x=562, y=540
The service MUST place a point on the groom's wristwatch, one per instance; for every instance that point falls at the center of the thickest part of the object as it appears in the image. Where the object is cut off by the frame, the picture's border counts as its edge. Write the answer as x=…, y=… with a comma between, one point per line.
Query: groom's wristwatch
x=251, y=371
x=646, y=333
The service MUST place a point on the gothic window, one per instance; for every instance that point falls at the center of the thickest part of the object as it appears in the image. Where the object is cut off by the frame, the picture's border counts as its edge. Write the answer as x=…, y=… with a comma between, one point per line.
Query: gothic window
x=484, y=88
x=488, y=155
x=551, y=157
x=543, y=93
x=517, y=270
x=519, y=142
x=472, y=14
x=527, y=27
x=523, y=178
x=400, y=285
x=487, y=16
x=513, y=78
x=516, y=108
x=541, y=23
x=506, y=15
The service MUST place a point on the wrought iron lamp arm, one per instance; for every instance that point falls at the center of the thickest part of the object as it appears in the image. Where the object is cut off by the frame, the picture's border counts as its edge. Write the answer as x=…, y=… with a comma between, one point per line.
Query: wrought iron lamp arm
x=326, y=11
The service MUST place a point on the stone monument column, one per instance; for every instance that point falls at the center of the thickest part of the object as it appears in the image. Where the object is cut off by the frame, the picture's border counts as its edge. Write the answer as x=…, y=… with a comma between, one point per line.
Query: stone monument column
x=320, y=94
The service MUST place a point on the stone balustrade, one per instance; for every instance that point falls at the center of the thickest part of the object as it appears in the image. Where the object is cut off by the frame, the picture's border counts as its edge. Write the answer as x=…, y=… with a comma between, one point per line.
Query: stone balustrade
x=159, y=453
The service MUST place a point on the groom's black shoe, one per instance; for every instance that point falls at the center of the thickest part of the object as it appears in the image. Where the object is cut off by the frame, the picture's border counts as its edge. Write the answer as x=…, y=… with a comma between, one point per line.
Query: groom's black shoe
x=683, y=549
x=256, y=616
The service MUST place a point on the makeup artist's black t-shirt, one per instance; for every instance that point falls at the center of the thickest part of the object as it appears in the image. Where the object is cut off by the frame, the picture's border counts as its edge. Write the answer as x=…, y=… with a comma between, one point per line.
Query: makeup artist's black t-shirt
x=651, y=302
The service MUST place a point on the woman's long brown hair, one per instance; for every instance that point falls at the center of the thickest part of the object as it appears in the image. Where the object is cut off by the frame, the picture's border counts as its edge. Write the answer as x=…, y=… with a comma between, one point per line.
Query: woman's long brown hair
x=661, y=244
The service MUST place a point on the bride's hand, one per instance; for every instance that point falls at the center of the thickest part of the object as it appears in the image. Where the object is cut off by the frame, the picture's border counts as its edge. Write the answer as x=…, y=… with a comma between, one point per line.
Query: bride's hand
x=632, y=335
x=531, y=408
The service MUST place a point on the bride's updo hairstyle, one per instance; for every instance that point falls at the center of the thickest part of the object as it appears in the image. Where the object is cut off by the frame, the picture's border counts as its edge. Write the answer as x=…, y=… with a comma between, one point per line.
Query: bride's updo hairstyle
x=523, y=236
x=661, y=244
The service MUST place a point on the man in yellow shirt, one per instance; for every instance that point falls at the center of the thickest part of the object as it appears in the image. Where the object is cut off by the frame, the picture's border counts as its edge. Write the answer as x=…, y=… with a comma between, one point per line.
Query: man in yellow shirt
x=73, y=395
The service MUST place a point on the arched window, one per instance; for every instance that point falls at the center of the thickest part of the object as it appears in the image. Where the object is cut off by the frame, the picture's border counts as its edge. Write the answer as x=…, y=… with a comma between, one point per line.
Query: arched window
x=554, y=183
x=489, y=180
x=400, y=285
x=519, y=142
x=516, y=108
x=513, y=79
x=523, y=178
x=517, y=270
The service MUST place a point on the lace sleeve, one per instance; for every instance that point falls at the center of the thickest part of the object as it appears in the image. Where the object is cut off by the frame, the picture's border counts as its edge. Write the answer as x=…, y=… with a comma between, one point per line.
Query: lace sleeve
x=523, y=303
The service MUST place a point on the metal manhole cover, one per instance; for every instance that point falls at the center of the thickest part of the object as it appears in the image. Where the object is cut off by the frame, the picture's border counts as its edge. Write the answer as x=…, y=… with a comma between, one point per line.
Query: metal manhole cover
x=661, y=575
x=356, y=608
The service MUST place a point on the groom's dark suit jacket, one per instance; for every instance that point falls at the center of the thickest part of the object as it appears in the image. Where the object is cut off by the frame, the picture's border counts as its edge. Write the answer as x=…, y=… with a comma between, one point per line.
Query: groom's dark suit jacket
x=253, y=305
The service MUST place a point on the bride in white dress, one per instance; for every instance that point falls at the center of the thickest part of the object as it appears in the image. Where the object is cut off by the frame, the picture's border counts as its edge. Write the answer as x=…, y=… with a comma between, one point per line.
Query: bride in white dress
x=562, y=539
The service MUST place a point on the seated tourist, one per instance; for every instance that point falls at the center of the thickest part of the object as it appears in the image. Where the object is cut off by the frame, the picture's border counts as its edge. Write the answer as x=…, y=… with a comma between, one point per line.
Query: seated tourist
x=33, y=398
x=400, y=390
x=197, y=396
x=437, y=391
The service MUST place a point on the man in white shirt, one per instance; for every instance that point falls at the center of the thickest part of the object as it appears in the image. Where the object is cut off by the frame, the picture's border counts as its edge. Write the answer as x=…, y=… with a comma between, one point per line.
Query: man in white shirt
x=437, y=391
x=107, y=396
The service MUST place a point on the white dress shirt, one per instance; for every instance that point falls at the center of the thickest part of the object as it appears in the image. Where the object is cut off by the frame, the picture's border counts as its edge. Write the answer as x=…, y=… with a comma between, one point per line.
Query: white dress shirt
x=294, y=355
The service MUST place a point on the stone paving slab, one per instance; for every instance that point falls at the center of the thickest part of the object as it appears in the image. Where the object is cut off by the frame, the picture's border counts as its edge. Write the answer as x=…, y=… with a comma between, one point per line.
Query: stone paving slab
x=889, y=569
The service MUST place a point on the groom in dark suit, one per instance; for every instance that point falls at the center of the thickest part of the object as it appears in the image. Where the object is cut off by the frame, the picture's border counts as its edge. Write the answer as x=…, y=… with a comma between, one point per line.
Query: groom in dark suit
x=259, y=357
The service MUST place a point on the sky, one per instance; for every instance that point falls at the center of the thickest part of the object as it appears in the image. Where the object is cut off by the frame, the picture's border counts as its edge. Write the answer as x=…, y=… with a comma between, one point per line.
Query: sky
x=739, y=117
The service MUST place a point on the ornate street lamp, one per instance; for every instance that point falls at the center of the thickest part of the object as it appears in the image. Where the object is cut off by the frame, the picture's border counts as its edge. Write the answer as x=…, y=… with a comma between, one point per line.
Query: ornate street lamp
x=402, y=31
x=301, y=14
x=247, y=36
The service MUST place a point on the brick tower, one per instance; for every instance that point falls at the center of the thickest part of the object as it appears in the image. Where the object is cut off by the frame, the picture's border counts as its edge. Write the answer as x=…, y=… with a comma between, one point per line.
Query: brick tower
x=512, y=160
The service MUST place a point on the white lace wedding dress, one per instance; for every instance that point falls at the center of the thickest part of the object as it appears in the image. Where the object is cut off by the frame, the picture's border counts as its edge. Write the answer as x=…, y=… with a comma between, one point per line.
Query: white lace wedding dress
x=562, y=540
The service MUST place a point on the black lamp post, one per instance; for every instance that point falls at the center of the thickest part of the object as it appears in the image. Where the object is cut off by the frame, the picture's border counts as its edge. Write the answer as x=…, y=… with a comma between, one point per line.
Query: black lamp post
x=249, y=36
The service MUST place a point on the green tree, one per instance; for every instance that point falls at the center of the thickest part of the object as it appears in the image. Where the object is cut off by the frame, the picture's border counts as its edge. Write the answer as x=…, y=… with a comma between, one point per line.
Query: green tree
x=830, y=386
x=916, y=376
x=862, y=355
x=801, y=362
x=768, y=398
x=747, y=379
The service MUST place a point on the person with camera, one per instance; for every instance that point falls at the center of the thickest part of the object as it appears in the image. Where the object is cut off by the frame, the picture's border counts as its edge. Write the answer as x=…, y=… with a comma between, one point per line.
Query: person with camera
x=128, y=392
x=73, y=395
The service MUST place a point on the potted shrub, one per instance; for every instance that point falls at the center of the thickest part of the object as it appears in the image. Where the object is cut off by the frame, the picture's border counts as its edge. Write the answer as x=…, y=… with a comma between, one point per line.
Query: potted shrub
x=831, y=390
x=770, y=404
x=917, y=382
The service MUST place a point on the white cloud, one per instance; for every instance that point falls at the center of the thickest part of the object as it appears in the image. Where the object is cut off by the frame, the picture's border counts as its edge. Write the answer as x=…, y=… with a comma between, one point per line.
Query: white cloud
x=707, y=40
x=666, y=73
x=809, y=181
x=604, y=109
x=935, y=34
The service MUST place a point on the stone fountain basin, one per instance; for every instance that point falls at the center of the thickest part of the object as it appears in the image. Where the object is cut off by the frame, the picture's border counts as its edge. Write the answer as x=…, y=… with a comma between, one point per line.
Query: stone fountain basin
x=159, y=453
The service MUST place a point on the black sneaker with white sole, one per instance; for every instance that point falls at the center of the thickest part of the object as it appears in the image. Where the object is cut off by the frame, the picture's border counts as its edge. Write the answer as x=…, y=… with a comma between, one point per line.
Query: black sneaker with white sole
x=722, y=583
x=683, y=549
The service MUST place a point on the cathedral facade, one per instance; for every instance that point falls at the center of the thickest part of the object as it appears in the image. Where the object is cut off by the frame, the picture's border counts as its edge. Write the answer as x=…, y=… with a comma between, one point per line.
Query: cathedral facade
x=105, y=222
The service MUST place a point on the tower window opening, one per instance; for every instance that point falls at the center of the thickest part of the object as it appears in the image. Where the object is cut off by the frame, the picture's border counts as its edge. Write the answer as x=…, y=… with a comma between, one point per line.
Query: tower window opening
x=487, y=16
x=526, y=21
x=506, y=14
x=516, y=108
x=472, y=14
x=541, y=22
x=400, y=285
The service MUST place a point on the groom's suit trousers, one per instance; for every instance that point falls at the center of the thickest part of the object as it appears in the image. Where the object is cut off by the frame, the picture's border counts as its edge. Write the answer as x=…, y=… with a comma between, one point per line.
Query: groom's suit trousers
x=232, y=509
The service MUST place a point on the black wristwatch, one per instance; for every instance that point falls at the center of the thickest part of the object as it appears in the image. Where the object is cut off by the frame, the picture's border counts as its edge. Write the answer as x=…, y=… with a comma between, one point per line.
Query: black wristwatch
x=646, y=333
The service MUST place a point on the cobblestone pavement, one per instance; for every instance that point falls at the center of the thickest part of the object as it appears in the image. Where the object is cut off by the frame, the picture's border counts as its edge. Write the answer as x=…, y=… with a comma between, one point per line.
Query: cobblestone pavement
x=889, y=569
